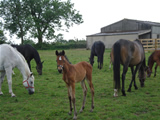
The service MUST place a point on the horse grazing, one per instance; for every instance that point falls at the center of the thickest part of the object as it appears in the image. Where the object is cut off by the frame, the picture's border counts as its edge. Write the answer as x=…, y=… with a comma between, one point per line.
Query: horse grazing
x=73, y=74
x=129, y=54
x=29, y=53
x=10, y=58
x=97, y=49
x=154, y=57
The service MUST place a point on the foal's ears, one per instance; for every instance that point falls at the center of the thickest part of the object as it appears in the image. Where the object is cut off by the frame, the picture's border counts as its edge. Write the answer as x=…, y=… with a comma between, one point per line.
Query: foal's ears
x=56, y=52
x=63, y=53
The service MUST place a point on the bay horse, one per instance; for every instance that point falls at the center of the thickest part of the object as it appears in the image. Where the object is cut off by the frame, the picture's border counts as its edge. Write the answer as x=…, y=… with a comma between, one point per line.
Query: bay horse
x=29, y=53
x=73, y=74
x=129, y=54
x=9, y=59
x=154, y=57
x=97, y=49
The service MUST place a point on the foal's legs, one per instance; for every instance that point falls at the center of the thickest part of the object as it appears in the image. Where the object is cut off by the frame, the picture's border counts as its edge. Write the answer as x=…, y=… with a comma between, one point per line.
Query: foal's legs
x=84, y=94
x=9, y=78
x=155, y=70
x=89, y=80
x=1, y=80
x=70, y=101
x=72, y=93
x=158, y=64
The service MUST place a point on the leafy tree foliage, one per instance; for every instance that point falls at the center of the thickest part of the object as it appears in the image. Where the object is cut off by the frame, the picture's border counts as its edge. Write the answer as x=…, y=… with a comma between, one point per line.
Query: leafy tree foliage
x=41, y=18
x=15, y=16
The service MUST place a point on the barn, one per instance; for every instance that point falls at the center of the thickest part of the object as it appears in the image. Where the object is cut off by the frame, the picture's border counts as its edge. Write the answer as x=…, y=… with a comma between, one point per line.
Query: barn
x=125, y=29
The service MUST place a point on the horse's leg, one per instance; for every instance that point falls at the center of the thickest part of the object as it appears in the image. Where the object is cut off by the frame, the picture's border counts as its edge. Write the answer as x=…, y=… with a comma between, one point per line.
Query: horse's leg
x=133, y=78
x=89, y=80
x=132, y=71
x=84, y=94
x=9, y=79
x=155, y=70
x=1, y=81
x=98, y=61
x=72, y=88
x=70, y=101
x=125, y=69
x=158, y=64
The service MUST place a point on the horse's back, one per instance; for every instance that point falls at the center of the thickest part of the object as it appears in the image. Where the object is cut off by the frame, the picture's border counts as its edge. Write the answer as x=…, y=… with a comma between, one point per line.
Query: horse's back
x=82, y=70
x=8, y=56
x=131, y=51
x=98, y=47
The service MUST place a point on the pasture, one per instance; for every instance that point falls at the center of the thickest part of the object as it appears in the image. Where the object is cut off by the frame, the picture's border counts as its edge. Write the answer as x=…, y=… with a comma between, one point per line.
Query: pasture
x=50, y=100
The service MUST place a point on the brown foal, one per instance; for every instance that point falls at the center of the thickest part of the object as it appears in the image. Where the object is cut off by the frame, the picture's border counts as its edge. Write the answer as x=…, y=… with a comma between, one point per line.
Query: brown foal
x=73, y=74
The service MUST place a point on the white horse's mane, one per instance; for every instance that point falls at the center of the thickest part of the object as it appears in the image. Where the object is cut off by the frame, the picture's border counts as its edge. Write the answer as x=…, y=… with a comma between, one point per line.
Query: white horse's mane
x=21, y=56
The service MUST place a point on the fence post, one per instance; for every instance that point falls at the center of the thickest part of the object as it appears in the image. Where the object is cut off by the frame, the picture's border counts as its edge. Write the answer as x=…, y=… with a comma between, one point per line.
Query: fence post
x=155, y=44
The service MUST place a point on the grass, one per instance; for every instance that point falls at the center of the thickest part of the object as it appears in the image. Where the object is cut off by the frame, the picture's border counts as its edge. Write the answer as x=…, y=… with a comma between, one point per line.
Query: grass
x=50, y=101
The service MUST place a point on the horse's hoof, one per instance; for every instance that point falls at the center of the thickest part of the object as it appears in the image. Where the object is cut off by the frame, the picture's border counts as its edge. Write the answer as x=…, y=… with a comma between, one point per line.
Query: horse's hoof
x=75, y=118
x=13, y=95
x=124, y=95
x=136, y=88
x=1, y=93
x=91, y=110
x=129, y=90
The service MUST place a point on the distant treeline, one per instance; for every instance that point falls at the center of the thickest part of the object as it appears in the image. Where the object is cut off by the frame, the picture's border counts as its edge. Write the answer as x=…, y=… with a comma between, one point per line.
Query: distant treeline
x=71, y=44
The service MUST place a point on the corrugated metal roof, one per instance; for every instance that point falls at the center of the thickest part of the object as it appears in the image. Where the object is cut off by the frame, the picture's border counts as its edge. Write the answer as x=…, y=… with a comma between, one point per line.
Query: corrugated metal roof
x=141, y=32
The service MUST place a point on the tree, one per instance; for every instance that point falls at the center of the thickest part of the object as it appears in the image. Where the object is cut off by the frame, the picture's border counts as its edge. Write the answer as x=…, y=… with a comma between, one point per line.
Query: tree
x=41, y=18
x=50, y=15
x=15, y=16
x=2, y=36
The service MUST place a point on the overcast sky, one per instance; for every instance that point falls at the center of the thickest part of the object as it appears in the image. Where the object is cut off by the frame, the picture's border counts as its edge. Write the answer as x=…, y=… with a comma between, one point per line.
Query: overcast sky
x=100, y=13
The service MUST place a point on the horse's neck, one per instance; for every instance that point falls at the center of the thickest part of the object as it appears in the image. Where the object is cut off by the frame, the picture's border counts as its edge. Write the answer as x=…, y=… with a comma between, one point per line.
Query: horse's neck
x=37, y=57
x=151, y=65
x=151, y=62
x=23, y=67
x=66, y=66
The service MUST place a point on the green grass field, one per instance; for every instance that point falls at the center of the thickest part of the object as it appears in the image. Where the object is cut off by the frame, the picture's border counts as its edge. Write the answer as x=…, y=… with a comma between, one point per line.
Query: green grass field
x=50, y=100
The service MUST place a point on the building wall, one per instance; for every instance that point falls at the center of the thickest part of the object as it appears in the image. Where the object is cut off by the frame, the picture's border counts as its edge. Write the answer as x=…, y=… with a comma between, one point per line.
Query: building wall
x=155, y=32
x=109, y=40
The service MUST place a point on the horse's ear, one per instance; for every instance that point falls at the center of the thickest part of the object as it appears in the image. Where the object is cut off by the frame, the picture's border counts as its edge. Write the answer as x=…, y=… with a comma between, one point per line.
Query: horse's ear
x=42, y=62
x=63, y=53
x=31, y=74
x=56, y=52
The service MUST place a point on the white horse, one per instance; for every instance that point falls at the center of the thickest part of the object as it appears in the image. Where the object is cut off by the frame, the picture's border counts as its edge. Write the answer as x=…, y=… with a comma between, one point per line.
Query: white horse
x=10, y=58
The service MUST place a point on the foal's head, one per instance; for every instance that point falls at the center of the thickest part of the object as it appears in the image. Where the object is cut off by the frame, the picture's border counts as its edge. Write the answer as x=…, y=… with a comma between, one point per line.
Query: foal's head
x=60, y=60
x=39, y=68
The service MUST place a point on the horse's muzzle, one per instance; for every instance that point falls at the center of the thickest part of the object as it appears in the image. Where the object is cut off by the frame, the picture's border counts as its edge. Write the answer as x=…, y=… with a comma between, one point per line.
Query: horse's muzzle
x=60, y=70
x=31, y=92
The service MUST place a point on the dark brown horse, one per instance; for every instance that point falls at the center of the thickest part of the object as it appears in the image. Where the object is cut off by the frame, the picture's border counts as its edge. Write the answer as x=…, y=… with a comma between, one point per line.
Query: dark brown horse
x=30, y=53
x=129, y=54
x=97, y=49
x=154, y=57
x=73, y=74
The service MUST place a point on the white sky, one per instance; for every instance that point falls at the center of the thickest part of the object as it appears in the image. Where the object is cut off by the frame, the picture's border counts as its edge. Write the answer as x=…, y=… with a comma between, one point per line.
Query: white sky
x=100, y=13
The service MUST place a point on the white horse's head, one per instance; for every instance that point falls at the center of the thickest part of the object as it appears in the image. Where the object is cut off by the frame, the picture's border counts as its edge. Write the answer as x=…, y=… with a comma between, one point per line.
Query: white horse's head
x=29, y=84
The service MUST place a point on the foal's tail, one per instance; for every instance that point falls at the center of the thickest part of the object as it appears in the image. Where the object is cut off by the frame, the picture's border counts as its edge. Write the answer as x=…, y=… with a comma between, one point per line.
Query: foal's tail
x=116, y=65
